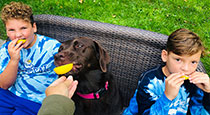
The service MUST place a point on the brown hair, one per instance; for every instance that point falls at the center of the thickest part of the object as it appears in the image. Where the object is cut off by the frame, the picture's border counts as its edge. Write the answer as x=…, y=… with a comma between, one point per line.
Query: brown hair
x=184, y=42
x=17, y=10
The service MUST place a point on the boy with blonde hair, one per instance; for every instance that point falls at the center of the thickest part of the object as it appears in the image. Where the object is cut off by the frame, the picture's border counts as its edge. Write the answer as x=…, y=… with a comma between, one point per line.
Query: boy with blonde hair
x=26, y=68
x=176, y=87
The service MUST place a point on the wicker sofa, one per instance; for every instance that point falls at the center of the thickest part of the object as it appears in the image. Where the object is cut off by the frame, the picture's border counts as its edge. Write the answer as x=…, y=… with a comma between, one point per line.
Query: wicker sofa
x=132, y=50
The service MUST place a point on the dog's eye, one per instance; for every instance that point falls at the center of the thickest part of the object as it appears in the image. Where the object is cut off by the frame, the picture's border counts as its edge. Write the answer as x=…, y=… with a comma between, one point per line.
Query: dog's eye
x=79, y=45
x=60, y=48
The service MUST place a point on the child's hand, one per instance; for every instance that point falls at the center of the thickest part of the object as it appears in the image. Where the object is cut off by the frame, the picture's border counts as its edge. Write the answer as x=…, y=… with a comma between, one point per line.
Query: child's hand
x=172, y=85
x=14, y=50
x=201, y=80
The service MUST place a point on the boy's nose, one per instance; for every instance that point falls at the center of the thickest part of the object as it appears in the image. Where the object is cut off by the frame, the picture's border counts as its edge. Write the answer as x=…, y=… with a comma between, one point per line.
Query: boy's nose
x=185, y=67
x=18, y=34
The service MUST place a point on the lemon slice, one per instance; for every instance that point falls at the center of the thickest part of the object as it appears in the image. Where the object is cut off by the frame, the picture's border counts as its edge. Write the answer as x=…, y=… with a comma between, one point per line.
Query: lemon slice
x=63, y=69
x=184, y=76
x=23, y=41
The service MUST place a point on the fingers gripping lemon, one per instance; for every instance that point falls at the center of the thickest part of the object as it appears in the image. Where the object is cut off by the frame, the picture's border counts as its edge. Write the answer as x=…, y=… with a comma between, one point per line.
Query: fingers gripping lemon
x=184, y=76
x=63, y=69
x=23, y=41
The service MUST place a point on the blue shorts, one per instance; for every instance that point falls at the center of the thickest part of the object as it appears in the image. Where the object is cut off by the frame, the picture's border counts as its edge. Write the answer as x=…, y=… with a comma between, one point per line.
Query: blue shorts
x=10, y=104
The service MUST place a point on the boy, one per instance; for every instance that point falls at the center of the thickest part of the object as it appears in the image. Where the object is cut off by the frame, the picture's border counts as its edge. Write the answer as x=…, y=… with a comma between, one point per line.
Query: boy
x=26, y=69
x=163, y=90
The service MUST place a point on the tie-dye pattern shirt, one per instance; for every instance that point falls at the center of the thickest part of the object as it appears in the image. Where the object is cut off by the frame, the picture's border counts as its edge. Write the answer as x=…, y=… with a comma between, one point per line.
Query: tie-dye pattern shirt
x=35, y=69
x=152, y=100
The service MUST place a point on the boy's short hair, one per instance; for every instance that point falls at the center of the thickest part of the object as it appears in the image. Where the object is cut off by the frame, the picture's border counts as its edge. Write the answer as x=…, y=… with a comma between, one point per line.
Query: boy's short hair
x=184, y=42
x=17, y=10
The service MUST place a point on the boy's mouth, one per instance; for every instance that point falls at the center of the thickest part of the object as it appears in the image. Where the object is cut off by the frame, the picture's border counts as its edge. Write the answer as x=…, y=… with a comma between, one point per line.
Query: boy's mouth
x=186, y=77
x=21, y=40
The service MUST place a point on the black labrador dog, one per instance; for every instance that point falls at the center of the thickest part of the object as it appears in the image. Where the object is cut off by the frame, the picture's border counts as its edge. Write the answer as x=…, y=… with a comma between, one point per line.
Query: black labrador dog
x=97, y=92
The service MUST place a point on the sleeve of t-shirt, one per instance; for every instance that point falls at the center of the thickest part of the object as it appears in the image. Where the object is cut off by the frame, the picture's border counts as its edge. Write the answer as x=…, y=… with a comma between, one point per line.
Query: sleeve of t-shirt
x=132, y=109
x=56, y=47
x=196, y=105
x=206, y=101
x=4, y=57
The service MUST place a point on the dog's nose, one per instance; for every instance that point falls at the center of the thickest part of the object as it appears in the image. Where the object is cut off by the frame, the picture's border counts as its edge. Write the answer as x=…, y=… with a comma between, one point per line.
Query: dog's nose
x=59, y=56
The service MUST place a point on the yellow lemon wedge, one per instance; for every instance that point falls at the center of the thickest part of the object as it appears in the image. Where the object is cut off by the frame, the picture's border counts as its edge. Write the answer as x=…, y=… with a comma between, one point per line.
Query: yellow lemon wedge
x=184, y=76
x=23, y=41
x=63, y=69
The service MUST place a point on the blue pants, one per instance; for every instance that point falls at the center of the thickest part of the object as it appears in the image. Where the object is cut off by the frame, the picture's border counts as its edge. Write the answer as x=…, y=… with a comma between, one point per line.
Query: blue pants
x=10, y=104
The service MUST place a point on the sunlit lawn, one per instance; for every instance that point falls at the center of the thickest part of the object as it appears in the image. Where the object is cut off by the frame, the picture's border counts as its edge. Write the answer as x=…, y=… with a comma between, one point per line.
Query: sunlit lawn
x=163, y=16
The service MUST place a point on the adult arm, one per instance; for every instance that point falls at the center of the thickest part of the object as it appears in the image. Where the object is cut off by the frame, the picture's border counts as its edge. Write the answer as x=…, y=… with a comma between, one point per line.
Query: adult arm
x=57, y=105
x=58, y=100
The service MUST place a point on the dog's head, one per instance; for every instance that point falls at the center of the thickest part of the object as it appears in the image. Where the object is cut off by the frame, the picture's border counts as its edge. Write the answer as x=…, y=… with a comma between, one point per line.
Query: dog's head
x=85, y=54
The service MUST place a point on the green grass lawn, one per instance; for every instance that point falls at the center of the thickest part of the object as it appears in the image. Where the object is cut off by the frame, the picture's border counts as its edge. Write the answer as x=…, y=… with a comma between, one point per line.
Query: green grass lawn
x=163, y=16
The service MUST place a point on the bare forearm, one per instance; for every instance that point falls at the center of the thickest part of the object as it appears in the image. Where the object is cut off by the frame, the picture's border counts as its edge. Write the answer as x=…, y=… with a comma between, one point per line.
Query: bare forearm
x=9, y=75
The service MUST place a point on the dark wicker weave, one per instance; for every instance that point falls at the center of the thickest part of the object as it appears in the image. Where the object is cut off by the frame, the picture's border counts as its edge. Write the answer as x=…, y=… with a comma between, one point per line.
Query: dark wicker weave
x=132, y=50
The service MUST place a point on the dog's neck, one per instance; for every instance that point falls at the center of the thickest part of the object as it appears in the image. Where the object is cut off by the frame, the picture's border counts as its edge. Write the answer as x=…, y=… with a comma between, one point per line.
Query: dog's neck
x=92, y=82
x=95, y=95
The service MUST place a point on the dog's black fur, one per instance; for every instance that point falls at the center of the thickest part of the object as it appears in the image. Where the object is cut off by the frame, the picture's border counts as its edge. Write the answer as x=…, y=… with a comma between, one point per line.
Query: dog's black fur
x=90, y=69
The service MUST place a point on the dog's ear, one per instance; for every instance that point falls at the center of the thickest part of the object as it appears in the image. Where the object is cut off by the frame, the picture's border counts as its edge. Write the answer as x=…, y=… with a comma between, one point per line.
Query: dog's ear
x=103, y=56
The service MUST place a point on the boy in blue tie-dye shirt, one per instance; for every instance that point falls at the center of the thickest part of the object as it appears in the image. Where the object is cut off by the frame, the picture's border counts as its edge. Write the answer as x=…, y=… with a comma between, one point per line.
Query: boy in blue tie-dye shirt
x=162, y=90
x=26, y=69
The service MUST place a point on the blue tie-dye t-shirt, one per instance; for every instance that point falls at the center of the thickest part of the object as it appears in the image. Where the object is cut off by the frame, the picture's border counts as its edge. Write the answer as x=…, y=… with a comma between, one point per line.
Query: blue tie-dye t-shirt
x=35, y=70
x=149, y=98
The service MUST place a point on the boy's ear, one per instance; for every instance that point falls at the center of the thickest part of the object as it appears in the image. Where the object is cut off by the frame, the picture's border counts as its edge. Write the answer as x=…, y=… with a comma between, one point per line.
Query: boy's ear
x=34, y=27
x=164, y=55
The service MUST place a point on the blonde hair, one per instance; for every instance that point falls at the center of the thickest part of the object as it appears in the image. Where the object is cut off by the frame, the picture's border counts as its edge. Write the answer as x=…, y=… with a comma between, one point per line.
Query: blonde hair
x=17, y=10
x=184, y=42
